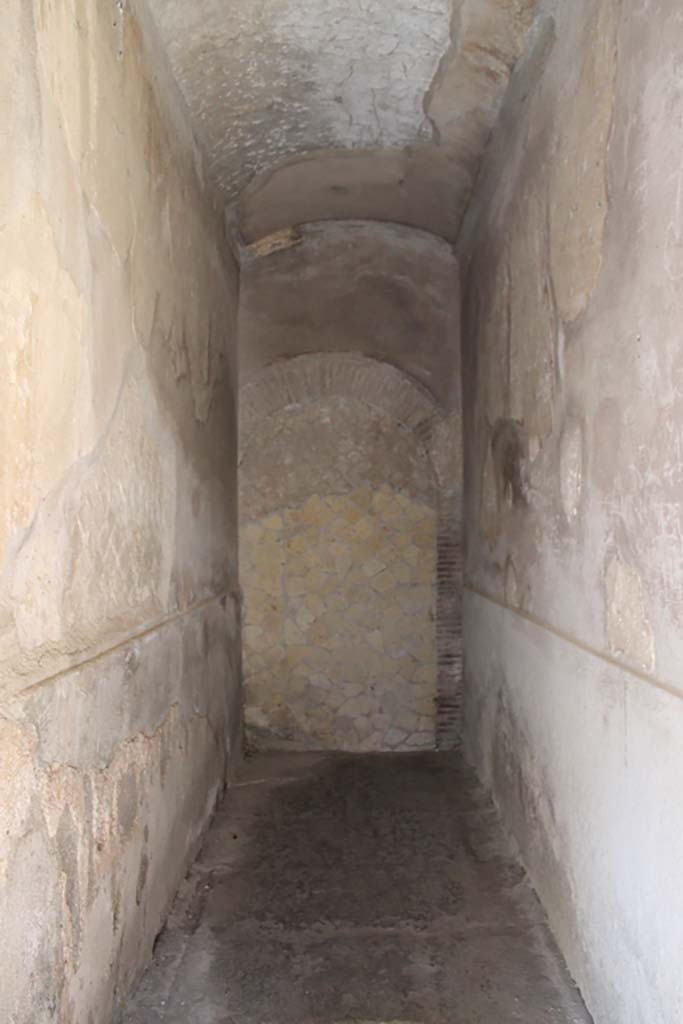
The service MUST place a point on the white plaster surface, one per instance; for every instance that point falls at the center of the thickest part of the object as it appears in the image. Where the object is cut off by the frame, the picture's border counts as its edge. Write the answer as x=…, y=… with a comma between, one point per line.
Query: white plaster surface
x=585, y=761
x=270, y=78
x=578, y=726
x=373, y=109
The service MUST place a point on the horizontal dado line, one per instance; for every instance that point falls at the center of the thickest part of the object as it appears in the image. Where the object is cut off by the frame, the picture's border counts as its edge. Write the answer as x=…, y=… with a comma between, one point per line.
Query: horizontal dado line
x=657, y=684
x=102, y=653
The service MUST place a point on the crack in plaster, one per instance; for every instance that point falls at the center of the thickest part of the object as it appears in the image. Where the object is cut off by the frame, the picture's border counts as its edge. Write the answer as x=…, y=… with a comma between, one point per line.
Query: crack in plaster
x=275, y=79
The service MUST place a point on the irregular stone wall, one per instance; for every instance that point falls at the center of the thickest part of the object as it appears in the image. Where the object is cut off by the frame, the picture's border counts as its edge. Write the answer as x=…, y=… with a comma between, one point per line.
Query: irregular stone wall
x=339, y=505
x=119, y=636
x=337, y=566
x=574, y=483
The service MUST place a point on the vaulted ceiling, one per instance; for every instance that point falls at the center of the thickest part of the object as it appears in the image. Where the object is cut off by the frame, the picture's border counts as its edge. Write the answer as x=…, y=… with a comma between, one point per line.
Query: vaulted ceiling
x=318, y=109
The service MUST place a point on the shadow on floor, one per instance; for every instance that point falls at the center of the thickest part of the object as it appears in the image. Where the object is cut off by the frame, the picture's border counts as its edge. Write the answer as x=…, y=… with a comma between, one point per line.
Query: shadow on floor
x=359, y=888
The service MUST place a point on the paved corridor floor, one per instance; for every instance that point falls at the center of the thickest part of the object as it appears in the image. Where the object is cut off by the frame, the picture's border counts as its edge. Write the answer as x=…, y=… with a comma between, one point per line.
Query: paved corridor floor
x=344, y=888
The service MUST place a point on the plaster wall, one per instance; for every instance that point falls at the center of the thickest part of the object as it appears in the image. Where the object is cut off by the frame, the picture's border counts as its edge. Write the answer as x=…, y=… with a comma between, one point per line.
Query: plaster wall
x=379, y=290
x=119, y=645
x=571, y=261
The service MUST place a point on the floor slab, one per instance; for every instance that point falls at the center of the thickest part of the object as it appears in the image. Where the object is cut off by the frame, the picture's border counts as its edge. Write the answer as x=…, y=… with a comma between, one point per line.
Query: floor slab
x=356, y=888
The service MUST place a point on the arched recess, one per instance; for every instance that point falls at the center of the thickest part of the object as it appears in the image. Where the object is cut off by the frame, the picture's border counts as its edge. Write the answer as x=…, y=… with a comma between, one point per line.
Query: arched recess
x=350, y=557
x=380, y=290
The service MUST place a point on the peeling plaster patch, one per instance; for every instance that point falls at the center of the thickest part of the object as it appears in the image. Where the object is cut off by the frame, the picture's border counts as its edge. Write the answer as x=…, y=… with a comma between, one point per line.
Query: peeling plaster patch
x=578, y=196
x=104, y=789
x=486, y=38
x=571, y=469
x=629, y=632
x=274, y=78
x=275, y=242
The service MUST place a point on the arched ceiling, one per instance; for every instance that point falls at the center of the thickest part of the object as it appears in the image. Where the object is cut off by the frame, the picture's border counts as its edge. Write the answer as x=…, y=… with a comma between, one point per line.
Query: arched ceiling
x=378, y=290
x=315, y=109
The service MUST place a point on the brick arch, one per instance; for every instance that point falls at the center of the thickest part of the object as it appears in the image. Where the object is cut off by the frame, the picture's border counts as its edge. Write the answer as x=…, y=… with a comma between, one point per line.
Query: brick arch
x=306, y=379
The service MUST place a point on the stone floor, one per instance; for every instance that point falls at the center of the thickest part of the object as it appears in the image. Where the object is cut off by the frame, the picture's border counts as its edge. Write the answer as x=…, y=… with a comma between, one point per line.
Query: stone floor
x=359, y=888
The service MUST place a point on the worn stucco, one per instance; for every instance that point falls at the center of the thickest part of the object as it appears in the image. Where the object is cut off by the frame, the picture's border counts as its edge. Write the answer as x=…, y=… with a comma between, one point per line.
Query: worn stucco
x=573, y=418
x=119, y=636
x=375, y=109
x=302, y=76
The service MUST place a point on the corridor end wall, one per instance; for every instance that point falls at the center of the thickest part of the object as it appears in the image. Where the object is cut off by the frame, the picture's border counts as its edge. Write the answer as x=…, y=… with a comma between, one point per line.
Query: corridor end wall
x=119, y=636
x=573, y=384
x=350, y=488
x=338, y=517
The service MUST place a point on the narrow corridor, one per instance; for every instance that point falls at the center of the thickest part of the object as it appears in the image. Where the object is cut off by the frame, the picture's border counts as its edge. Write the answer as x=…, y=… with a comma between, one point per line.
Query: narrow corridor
x=356, y=888
x=341, y=419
